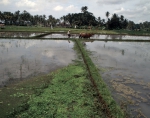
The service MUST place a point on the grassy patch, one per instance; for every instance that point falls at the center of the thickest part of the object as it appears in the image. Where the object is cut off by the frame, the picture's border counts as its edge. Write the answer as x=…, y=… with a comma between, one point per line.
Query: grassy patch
x=14, y=95
x=64, y=30
x=70, y=94
x=115, y=110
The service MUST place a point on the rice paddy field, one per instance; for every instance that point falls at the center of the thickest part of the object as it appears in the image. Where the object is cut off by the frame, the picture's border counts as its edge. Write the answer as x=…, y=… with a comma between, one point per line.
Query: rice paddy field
x=46, y=74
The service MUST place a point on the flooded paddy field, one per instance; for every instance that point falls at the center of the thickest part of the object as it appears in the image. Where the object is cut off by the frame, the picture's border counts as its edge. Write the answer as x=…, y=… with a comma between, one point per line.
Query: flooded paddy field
x=125, y=67
x=20, y=59
x=99, y=36
x=61, y=35
x=18, y=34
x=121, y=37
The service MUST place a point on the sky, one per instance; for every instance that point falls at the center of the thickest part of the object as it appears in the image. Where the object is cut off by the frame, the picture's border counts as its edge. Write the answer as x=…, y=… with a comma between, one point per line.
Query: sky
x=134, y=10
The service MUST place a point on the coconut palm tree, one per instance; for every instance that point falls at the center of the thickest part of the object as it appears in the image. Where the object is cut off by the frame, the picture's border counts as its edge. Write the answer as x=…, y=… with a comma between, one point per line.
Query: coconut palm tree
x=84, y=9
x=1, y=16
x=44, y=21
x=17, y=17
x=122, y=18
x=107, y=14
x=8, y=17
x=99, y=21
x=63, y=18
x=69, y=18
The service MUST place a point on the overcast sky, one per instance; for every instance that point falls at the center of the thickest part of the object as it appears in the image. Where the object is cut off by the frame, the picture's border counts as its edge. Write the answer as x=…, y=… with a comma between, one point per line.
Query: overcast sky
x=135, y=10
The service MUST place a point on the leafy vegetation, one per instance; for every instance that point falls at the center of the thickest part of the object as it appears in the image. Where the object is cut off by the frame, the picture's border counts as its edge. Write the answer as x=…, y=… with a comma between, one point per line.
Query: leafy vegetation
x=19, y=93
x=69, y=94
x=84, y=19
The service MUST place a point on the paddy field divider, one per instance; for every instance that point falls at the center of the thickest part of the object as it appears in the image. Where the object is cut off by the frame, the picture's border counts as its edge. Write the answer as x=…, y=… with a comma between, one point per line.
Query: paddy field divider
x=106, y=103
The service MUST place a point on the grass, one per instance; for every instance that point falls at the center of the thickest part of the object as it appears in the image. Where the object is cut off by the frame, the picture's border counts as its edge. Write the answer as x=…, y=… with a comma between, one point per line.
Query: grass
x=115, y=110
x=69, y=94
x=64, y=30
x=14, y=95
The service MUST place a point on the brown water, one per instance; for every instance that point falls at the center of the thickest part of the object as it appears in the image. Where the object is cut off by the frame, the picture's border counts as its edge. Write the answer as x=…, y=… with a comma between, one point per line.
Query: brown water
x=125, y=67
x=18, y=34
x=21, y=59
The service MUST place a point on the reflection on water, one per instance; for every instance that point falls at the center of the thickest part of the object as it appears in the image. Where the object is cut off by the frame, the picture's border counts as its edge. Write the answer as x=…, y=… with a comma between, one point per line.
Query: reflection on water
x=63, y=35
x=18, y=34
x=98, y=36
x=24, y=58
x=125, y=67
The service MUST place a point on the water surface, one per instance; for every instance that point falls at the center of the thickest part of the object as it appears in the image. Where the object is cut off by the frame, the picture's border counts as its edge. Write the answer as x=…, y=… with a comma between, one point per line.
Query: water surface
x=121, y=37
x=125, y=67
x=18, y=34
x=21, y=59
x=61, y=35
x=99, y=36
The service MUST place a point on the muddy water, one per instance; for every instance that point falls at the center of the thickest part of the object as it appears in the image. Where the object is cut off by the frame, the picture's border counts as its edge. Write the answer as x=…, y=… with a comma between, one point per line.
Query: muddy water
x=18, y=34
x=21, y=59
x=125, y=67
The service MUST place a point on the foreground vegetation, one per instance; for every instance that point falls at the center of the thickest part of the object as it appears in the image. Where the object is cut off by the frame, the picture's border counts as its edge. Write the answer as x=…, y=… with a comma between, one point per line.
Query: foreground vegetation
x=64, y=93
x=73, y=30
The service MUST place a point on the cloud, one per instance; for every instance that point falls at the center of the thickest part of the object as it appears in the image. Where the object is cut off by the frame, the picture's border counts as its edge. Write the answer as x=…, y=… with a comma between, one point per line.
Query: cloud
x=128, y=13
x=138, y=13
x=110, y=2
x=58, y=8
x=26, y=3
x=71, y=8
x=34, y=6
x=145, y=5
x=5, y=2
x=58, y=1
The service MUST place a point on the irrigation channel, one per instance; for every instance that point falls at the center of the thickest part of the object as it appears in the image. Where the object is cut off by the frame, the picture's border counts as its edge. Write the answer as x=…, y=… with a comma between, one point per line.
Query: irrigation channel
x=122, y=61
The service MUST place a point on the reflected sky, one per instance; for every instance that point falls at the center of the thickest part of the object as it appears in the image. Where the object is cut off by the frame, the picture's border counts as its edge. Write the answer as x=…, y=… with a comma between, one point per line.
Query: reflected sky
x=126, y=67
x=124, y=37
x=24, y=58
x=63, y=35
x=18, y=34
x=99, y=36
x=133, y=56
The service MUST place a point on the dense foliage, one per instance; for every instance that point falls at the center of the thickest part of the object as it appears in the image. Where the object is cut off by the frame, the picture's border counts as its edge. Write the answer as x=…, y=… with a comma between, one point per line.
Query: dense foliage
x=84, y=19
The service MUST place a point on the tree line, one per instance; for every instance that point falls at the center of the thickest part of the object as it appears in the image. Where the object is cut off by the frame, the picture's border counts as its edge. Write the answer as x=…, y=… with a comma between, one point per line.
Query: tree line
x=84, y=19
